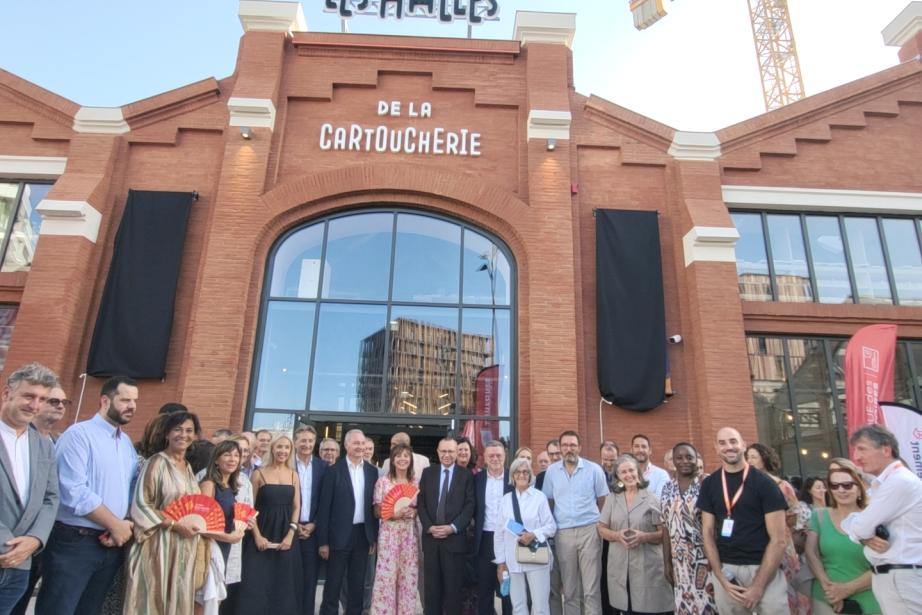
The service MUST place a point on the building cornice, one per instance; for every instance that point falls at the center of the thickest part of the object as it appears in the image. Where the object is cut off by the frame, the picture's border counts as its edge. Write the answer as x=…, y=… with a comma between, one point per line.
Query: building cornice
x=252, y=112
x=696, y=146
x=710, y=244
x=545, y=28
x=32, y=167
x=904, y=26
x=822, y=199
x=101, y=120
x=269, y=16
x=547, y=124
x=69, y=218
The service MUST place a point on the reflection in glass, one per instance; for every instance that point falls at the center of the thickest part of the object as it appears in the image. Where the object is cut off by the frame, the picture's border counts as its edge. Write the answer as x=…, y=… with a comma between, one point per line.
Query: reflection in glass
x=480, y=431
x=751, y=261
x=867, y=260
x=902, y=376
x=905, y=261
x=427, y=260
x=486, y=272
x=285, y=355
x=485, y=362
x=7, y=322
x=792, y=277
x=342, y=377
x=422, y=360
x=774, y=418
x=358, y=257
x=296, y=270
x=24, y=235
x=816, y=414
x=279, y=424
x=828, y=253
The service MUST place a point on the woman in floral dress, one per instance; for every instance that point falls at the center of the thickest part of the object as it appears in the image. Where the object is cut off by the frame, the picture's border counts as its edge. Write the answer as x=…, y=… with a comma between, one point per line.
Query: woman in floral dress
x=397, y=570
x=683, y=547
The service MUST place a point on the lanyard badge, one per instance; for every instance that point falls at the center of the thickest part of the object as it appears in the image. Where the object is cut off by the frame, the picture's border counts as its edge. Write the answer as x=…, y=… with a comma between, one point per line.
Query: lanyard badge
x=726, y=529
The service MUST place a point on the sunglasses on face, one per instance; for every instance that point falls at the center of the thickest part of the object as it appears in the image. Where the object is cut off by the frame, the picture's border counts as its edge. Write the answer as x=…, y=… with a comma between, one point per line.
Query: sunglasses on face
x=64, y=403
x=843, y=486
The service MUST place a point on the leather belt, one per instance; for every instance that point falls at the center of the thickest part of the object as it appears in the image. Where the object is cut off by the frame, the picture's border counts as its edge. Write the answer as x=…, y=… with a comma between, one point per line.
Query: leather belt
x=885, y=568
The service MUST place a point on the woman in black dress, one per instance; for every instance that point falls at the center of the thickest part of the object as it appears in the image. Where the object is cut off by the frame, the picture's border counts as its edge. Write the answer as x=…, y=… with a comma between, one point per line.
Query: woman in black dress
x=271, y=568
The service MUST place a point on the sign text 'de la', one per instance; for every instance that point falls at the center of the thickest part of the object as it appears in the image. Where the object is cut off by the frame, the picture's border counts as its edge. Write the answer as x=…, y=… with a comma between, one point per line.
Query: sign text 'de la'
x=446, y=11
x=411, y=139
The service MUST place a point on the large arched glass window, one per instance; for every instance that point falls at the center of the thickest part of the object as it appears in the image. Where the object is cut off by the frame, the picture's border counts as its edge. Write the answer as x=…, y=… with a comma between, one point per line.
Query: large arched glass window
x=387, y=315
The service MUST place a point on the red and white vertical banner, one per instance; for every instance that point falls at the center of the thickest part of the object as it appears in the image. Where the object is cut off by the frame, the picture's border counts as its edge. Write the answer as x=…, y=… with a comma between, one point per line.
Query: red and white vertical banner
x=869, y=360
x=905, y=422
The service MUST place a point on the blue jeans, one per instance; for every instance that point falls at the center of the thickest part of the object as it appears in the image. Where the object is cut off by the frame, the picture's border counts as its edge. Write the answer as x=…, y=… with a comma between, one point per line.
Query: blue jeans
x=13, y=584
x=78, y=572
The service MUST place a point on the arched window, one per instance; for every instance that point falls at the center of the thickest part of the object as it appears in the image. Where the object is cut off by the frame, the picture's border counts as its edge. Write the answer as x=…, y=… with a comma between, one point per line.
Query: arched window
x=390, y=315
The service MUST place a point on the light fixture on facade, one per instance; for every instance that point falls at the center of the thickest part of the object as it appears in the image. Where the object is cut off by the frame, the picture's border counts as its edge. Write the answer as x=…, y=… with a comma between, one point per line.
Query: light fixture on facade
x=551, y=145
x=246, y=132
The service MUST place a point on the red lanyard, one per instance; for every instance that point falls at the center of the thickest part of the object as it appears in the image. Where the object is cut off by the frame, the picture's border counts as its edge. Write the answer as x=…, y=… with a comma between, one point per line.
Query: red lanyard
x=739, y=492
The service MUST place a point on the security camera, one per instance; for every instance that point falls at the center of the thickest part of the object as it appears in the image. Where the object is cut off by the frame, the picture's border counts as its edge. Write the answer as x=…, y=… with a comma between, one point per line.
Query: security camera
x=674, y=339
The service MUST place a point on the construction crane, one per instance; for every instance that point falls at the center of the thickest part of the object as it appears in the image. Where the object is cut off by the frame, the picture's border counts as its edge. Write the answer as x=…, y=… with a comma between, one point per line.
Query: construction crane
x=773, y=36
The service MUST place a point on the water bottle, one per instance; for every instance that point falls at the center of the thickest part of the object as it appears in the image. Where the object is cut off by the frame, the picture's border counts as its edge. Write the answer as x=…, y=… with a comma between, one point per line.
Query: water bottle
x=504, y=586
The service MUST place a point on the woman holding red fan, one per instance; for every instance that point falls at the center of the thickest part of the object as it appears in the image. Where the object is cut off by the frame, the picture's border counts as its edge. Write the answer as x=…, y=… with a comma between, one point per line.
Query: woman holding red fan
x=221, y=483
x=161, y=566
x=398, y=541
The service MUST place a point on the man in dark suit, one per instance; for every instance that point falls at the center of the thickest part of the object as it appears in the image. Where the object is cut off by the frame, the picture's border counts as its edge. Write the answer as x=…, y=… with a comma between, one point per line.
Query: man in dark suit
x=28, y=479
x=445, y=507
x=490, y=485
x=347, y=529
x=310, y=474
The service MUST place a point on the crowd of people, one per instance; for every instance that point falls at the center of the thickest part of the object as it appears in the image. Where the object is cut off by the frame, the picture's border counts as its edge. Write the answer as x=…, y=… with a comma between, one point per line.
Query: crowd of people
x=82, y=518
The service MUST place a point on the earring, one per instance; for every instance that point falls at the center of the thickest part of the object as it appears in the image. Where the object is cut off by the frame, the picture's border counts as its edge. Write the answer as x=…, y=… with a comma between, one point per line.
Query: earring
x=620, y=485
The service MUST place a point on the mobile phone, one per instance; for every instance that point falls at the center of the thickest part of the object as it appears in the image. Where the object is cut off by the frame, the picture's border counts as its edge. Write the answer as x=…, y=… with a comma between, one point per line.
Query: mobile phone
x=851, y=607
x=882, y=532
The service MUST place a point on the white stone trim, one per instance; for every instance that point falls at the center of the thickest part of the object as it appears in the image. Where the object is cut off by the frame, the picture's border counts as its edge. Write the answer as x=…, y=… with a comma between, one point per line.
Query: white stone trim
x=252, y=112
x=822, y=199
x=549, y=28
x=904, y=26
x=546, y=124
x=716, y=244
x=32, y=167
x=694, y=146
x=101, y=120
x=72, y=218
x=269, y=16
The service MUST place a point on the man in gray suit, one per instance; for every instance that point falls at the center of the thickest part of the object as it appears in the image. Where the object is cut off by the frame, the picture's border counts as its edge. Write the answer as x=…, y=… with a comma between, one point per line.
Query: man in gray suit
x=28, y=479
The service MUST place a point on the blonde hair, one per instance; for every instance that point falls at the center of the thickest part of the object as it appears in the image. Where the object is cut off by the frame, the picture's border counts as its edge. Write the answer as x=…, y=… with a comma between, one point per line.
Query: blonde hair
x=290, y=462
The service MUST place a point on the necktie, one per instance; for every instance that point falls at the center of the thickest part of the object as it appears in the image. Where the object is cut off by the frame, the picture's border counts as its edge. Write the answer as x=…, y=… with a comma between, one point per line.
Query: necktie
x=443, y=497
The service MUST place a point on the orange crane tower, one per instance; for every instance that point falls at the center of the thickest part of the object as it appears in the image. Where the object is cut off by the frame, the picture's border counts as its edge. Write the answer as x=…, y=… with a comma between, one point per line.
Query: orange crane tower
x=773, y=36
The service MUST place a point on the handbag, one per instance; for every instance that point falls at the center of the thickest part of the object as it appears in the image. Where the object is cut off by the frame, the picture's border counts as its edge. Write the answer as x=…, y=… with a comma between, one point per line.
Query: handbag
x=534, y=553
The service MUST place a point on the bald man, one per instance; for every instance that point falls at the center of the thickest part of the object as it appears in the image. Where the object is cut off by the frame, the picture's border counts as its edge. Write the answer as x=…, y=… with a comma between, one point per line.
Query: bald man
x=420, y=462
x=743, y=528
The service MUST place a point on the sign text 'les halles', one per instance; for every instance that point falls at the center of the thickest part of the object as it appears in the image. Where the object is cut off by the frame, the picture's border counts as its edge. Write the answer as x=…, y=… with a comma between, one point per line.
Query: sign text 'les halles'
x=409, y=140
x=446, y=11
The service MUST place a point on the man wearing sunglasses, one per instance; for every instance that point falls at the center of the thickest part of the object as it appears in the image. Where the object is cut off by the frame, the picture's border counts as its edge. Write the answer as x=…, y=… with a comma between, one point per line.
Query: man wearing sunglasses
x=51, y=412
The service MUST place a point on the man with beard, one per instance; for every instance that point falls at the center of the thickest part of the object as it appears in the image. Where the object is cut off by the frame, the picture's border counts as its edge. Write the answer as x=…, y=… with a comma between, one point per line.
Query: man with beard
x=743, y=529
x=642, y=448
x=684, y=561
x=576, y=489
x=96, y=464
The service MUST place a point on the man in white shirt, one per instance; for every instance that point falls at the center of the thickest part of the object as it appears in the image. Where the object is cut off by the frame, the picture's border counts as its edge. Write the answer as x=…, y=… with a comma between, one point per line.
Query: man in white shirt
x=28, y=479
x=310, y=474
x=490, y=485
x=895, y=510
x=642, y=449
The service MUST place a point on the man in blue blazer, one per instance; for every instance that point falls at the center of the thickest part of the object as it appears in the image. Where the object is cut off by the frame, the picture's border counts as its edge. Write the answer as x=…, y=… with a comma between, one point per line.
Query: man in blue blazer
x=311, y=470
x=347, y=529
x=445, y=506
x=28, y=479
x=490, y=484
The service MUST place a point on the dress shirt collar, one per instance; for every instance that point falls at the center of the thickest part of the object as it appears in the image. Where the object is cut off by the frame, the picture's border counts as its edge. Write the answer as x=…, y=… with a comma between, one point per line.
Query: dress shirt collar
x=450, y=468
x=500, y=476
x=305, y=464
x=9, y=429
x=111, y=430
x=881, y=478
x=355, y=466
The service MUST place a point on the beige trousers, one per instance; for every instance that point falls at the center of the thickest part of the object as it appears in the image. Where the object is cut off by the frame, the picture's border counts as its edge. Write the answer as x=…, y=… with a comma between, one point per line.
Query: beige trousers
x=579, y=556
x=774, y=600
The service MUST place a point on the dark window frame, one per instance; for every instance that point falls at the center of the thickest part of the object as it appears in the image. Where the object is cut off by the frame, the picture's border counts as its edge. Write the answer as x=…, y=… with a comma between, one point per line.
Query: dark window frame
x=8, y=231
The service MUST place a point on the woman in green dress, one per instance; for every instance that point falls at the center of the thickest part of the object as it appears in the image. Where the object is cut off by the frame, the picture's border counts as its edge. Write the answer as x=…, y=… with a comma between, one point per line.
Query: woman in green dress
x=842, y=574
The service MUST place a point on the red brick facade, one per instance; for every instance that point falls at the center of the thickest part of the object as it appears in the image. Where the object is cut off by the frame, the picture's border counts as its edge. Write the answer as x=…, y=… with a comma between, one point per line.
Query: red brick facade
x=861, y=136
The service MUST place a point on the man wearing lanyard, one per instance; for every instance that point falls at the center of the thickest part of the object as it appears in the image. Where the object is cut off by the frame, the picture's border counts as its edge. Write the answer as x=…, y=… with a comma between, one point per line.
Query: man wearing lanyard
x=742, y=525
x=890, y=528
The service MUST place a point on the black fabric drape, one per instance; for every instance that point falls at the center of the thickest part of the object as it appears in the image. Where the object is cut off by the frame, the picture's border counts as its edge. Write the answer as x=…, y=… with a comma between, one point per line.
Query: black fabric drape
x=630, y=317
x=132, y=331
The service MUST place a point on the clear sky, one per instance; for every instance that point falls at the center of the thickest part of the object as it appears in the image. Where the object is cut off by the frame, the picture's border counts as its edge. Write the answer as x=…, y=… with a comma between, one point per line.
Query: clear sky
x=693, y=70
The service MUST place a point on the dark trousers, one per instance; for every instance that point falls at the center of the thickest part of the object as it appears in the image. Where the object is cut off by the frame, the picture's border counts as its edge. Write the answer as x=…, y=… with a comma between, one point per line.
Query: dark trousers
x=607, y=608
x=346, y=565
x=34, y=575
x=12, y=586
x=487, y=583
x=78, y=572
x=310, y=562
x=444, y=577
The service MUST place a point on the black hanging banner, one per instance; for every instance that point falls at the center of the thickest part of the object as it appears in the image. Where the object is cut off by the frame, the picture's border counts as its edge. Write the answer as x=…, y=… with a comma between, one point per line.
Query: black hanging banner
x=630, y=317
x=135, y=317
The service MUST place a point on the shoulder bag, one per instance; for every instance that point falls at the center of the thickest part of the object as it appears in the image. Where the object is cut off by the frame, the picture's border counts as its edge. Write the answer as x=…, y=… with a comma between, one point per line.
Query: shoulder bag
x=534, y=553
